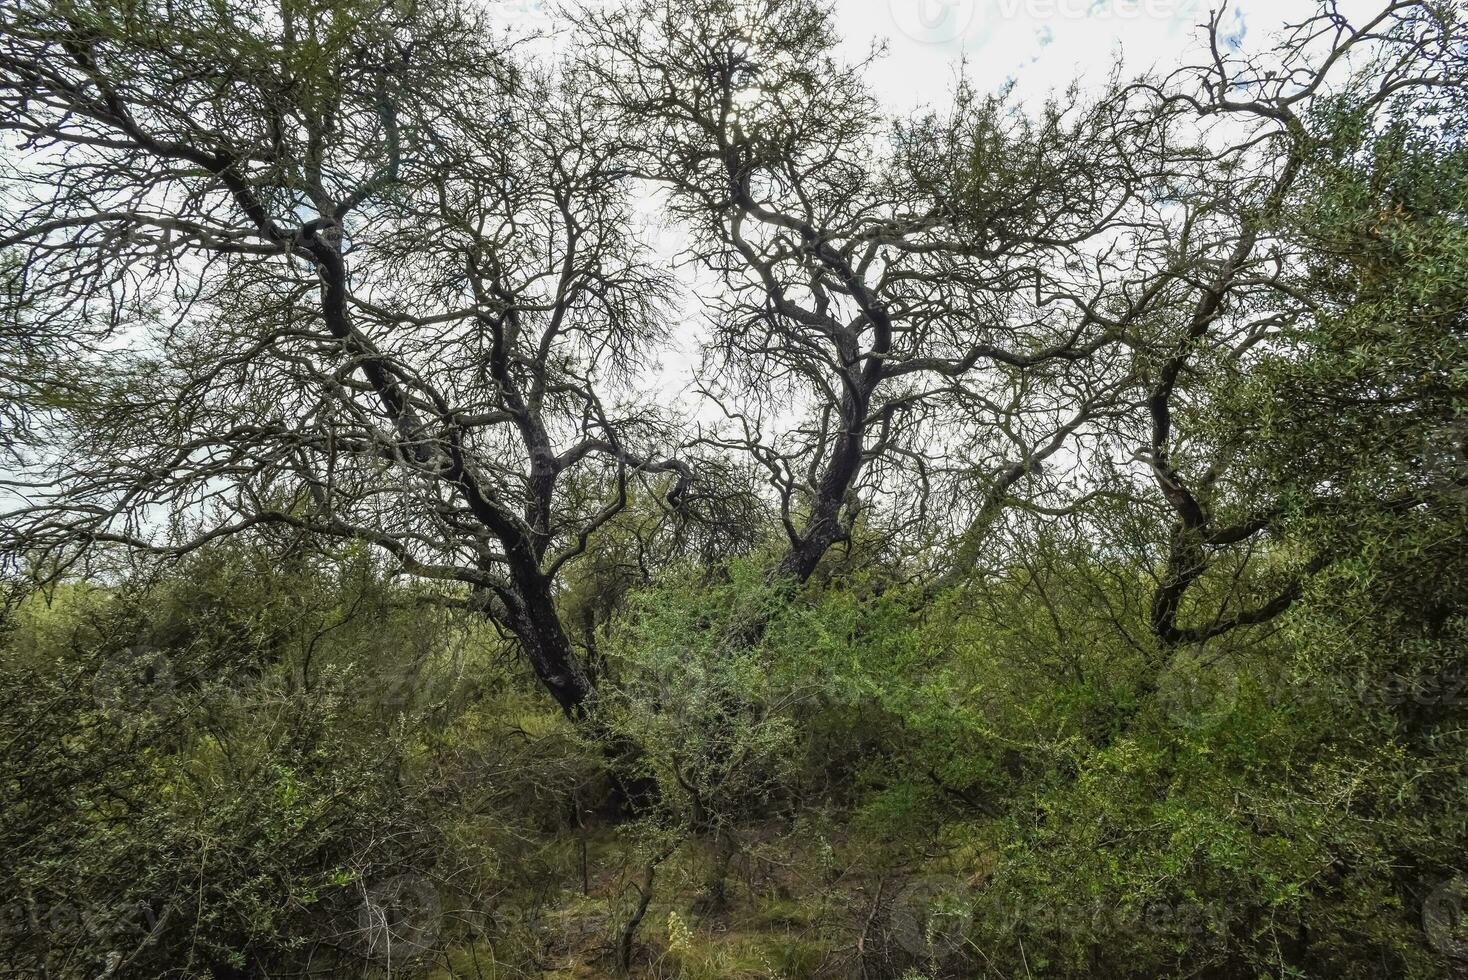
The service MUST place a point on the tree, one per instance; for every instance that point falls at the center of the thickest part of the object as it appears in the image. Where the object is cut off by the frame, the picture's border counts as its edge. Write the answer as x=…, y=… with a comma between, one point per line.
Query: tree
x=877, y=290
x=1254, y=292
x=337, y=265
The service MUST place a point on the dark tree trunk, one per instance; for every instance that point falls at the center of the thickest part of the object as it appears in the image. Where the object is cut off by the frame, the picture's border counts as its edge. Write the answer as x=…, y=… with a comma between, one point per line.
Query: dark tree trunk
x=801, y=559
x=826, y=525
x=537, y=625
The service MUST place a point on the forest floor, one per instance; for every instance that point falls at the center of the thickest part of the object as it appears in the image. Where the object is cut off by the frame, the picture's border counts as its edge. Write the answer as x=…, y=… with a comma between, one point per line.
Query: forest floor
x=790, y=902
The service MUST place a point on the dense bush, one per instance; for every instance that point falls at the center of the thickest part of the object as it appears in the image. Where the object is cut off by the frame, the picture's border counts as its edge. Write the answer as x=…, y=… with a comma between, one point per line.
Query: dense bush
x=240, y=767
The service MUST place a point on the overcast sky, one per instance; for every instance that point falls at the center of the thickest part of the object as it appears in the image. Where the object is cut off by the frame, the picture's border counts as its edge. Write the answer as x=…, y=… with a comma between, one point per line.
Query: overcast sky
x=1040, y=44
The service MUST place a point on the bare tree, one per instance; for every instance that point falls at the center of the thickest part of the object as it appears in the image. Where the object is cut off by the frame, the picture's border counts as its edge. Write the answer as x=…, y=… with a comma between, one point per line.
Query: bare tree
x=340, y=267
x=938, y=301
x=349, y=270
